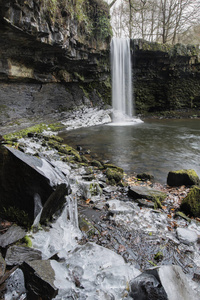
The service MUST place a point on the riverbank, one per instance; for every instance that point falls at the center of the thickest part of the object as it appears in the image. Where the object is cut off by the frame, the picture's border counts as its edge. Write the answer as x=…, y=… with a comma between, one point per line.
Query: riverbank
x=144, y=236
x=81, y=117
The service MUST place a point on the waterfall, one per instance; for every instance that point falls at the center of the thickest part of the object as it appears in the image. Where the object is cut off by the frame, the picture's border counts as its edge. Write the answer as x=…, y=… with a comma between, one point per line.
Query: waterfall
x=121, y=80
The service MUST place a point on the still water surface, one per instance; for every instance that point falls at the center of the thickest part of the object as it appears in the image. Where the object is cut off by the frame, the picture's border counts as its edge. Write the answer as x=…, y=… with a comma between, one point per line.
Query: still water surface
x=155, y=146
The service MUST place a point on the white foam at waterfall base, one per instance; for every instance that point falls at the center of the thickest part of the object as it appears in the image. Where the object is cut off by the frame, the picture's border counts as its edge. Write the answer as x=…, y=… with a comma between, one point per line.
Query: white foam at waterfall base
x=87, y=117
x=120, y=119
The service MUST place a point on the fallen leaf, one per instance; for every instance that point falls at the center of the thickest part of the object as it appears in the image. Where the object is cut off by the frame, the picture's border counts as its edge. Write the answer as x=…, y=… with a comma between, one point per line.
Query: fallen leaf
x=169, y=228
x=104, y=232
x=88, y=200
x=121, y=248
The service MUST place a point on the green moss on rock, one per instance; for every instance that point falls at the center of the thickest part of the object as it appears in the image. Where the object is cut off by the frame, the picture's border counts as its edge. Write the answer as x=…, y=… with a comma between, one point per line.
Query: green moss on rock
x=54, y=138
x=97, y=164
x=182, y=177
x=39, y=128
x=191, y=203
x=182, y=215
x=24, y=132
x=143, y=192
x=27, y=240
x=14, y=214
x=145, y=176
x=113, y=167
x=114, y=176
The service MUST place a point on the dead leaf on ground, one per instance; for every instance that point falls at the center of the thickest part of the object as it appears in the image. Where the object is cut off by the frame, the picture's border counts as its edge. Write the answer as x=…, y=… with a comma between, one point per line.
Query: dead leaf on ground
x=121, y=248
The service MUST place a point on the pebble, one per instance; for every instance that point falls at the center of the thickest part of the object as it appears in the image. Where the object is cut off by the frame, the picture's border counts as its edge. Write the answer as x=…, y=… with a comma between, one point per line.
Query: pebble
x=186, y=236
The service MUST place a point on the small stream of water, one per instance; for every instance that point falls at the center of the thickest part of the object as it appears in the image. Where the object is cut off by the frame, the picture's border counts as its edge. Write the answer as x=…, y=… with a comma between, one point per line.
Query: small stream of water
x=155, y=146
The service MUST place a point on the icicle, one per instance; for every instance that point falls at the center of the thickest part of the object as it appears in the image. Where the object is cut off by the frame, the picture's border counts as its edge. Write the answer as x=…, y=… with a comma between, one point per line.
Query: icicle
x=72, y=210
x=37, y=209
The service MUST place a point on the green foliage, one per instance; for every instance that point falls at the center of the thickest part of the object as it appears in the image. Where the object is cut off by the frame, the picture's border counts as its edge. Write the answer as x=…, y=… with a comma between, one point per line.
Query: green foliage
x=158, y=256
x=103, y=27
x=51, y=7
x=92, y=15
x=101, y=19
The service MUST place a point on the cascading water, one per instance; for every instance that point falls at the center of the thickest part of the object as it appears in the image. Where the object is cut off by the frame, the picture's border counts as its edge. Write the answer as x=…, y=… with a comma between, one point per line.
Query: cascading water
x=121, y=80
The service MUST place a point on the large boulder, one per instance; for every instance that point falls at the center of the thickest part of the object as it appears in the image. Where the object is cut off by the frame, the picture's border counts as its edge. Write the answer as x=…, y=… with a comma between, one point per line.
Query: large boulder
x=25, y=180
x=182, y=177
x=191, y=203
x=163, y=283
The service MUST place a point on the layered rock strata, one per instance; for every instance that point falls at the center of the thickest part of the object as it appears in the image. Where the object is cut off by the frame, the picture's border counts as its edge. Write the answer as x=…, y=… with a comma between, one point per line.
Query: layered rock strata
x=52, y=54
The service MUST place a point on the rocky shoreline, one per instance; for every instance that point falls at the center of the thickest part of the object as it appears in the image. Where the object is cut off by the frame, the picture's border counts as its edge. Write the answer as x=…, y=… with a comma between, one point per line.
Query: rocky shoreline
x=141, y=232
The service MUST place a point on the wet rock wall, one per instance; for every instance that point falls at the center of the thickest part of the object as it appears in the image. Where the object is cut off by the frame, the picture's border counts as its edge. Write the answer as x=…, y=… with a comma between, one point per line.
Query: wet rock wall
x=52, y=55
x=165, y=77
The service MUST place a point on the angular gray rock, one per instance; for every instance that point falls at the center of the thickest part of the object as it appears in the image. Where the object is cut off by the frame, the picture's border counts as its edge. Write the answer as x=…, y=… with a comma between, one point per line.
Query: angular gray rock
x=12, y=235
x=2, y=266
x=143, y=192
x=15, y=286
x=16, y=255
x=39, y=279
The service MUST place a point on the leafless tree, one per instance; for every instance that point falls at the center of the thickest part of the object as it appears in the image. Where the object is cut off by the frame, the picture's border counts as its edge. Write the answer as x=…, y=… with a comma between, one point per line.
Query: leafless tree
x=156, y=20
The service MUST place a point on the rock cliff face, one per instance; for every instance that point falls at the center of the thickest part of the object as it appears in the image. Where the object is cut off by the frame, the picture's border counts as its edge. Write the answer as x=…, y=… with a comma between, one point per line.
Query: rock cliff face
x=52, y=54
x=165, y=77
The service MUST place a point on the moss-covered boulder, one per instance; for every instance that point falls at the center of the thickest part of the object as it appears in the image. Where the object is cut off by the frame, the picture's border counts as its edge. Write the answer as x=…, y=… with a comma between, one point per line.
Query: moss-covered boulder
x=114, y=176
x=191, y=203
x=182, y=177
x=145, y=176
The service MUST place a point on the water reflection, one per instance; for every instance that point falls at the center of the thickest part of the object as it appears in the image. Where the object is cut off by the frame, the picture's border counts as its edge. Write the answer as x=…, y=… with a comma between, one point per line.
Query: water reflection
x=153, y=146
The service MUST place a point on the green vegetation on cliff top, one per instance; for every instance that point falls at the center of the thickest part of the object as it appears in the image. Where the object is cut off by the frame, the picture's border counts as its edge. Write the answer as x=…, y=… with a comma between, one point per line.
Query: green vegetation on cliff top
x=92, y=16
